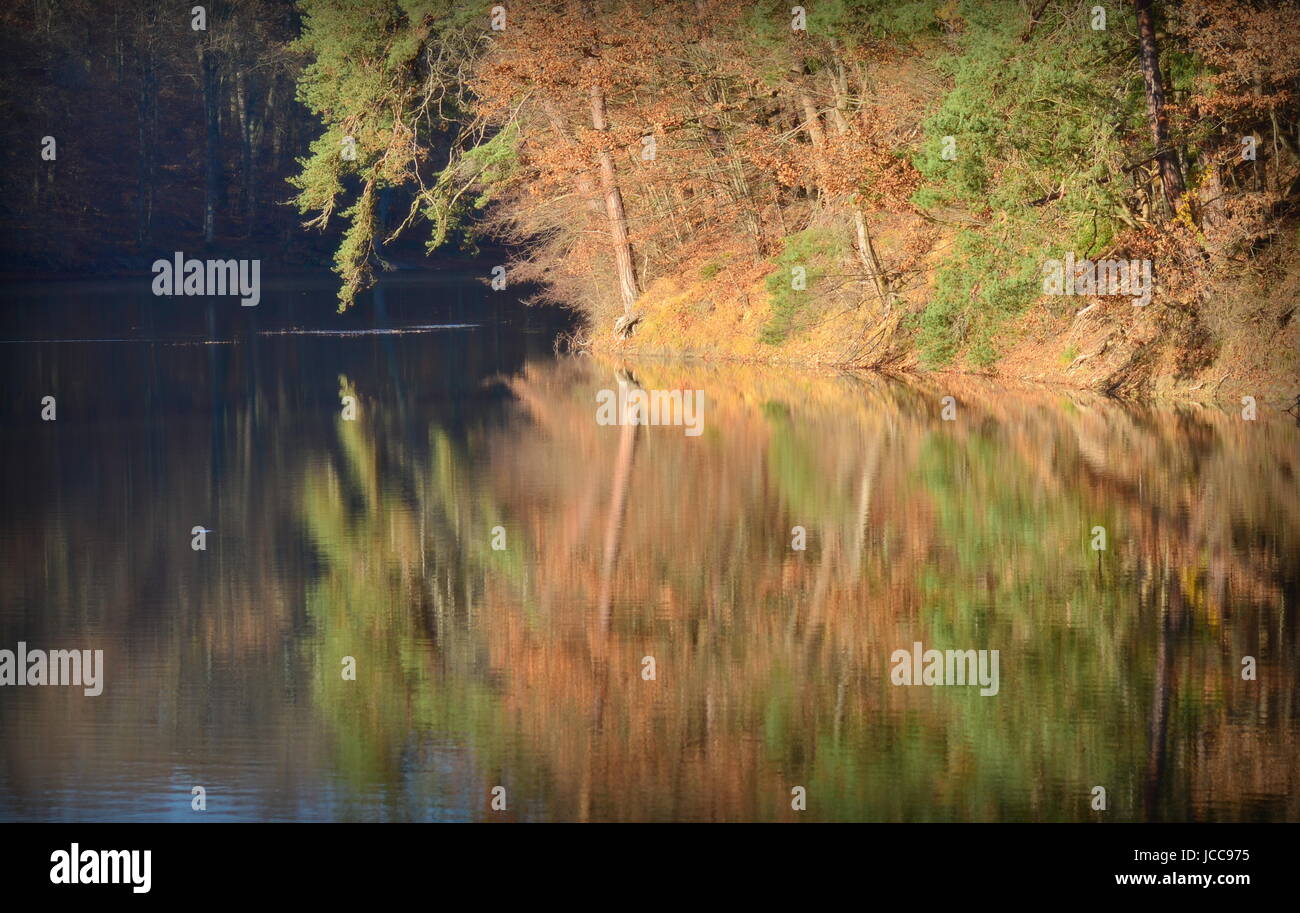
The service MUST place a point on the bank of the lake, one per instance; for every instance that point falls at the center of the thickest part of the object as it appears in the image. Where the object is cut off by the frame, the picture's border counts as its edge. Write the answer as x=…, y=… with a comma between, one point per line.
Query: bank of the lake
x=1244, y=342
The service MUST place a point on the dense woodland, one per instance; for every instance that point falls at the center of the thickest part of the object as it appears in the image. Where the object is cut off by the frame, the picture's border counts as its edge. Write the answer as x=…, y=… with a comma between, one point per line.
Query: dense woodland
x=664, y=167
x=919, y=160
x=164, y=134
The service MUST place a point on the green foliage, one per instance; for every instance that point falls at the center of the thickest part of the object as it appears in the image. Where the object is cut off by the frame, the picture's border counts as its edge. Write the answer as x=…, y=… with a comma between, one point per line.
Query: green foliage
x=813, y=249
x=984, y=283
x=904, y=19
x=1040, y=121
x=370, y=80
x=794, y=469
x=482, y=168
x=769, y=23
x=1027, y=114
x=493, y=162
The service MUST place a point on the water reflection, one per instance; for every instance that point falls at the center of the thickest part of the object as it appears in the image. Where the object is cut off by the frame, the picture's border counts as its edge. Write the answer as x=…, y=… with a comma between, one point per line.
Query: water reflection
x=522, y=667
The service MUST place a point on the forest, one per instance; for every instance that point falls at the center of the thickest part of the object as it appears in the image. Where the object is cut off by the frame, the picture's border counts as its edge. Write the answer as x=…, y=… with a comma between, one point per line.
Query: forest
x=861, y=183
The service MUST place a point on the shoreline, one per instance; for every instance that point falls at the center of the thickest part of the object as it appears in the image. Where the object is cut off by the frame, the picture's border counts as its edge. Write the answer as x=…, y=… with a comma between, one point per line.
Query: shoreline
x=1225, y=393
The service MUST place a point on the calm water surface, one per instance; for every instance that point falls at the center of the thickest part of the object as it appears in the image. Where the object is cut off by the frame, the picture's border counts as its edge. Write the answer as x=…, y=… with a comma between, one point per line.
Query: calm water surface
x=523, y=667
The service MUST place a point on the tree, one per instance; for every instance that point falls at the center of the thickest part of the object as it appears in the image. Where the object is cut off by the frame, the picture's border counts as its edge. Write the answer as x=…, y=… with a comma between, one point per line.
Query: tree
x=388, y=80
x=1171, y=176
x=627, y=284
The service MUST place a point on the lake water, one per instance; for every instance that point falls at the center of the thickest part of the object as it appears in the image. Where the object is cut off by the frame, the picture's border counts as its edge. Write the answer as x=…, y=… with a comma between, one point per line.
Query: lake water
x=529, y=666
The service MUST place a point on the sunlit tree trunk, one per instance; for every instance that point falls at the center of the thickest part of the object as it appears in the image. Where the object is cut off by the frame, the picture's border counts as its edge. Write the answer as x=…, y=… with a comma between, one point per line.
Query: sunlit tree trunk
x=867, y=256
x=817, y=134
x=627, y=284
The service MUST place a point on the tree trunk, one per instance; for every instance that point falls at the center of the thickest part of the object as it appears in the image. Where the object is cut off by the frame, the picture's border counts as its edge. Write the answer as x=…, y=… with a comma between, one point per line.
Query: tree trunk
x=812, y=124
x=866, y=249
x=147, y=115
x=243, y=100
x=812, y=120
x=870, y=262
x=1171, y=177
x=212, y=154
x=623, y=261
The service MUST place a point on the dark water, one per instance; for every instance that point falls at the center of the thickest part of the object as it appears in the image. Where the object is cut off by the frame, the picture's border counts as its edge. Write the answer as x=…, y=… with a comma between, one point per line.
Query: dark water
x=524, y=667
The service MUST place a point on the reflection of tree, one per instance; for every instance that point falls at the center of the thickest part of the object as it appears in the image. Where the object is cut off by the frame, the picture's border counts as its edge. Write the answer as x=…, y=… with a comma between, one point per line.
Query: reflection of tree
x=404, y=548
x=219, y=644
x=1170, y=612
x=974, y=535
x=617, y=504
x=524, y=665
